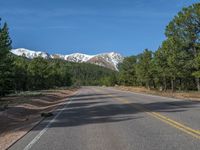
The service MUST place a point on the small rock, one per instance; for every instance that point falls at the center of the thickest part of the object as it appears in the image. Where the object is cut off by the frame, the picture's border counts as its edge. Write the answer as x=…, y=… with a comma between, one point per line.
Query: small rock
x=48, y=114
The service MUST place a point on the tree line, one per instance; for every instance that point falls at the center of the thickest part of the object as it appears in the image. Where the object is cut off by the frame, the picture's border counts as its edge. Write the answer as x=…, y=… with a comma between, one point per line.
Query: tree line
x=176, y=63
x=40, y=73
x=18, y=73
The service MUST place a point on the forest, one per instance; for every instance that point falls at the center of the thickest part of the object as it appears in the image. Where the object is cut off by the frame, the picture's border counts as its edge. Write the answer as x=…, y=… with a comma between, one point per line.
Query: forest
x=175, y=65
x=22, y=74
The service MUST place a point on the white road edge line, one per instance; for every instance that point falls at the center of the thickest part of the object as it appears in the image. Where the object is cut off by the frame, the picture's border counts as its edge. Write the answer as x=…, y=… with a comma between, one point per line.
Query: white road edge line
x=47, y=126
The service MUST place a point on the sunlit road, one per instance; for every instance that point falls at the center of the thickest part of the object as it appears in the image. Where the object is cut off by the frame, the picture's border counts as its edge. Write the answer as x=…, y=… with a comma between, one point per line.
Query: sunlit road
x=100, y=118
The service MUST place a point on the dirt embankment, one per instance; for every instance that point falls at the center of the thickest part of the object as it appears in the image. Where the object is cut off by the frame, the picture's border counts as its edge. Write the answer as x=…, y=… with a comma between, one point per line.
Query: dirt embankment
x=19, y=113
x=190, y=95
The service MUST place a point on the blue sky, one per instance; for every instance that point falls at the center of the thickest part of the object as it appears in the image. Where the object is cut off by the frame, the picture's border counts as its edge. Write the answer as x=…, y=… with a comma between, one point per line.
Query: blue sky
x=89, y=26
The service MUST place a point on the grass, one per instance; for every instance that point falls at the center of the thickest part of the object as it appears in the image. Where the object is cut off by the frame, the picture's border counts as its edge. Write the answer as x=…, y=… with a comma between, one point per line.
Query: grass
x=29, y=96
x=61, y=88
x=27, y=93
x=190, y=95
x=18, y=98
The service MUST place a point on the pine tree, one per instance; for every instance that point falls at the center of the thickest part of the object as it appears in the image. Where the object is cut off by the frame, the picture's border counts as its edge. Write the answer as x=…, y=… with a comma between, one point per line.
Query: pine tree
x=38, y=73
x=197, y=63
x=145, y=68
x=185, y=28
x=127, y=71
x=20, y=73
x=6, y=80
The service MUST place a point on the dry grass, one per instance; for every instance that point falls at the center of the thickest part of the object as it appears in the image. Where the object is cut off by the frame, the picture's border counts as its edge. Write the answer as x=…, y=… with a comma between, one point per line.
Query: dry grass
x=190, y=95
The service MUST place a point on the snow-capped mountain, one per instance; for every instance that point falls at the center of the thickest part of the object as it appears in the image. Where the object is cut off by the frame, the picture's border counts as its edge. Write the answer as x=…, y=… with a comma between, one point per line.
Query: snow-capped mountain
x=109, y=60
x=78, y=57
x=29, y=53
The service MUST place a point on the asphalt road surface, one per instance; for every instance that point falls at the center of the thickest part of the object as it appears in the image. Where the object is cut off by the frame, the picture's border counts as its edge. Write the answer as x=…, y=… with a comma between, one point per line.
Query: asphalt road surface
x=101, y=118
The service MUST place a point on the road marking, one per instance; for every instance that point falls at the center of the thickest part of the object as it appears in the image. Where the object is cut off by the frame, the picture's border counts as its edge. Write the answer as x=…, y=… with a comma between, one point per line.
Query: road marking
x=177, y=123
x=173, y=123
x=184, y=128
x=176, y=126
x=46, y=127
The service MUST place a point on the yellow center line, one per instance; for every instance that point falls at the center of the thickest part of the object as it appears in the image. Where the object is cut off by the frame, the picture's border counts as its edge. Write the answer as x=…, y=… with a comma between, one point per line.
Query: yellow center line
x=167, y=120
x=177, y=123
x=184, y=128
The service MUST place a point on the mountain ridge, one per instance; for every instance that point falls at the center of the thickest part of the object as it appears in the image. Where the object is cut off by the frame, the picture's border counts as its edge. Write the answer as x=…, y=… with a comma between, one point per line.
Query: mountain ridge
x=109, y=60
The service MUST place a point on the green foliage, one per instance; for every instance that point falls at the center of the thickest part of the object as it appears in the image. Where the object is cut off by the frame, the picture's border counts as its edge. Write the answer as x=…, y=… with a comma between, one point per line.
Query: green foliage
x=40, y=73
x=5, y=61
x=109, y=80
x=144, y=68
x=89, y=74
x=20, y=73
x=175, y=64
x=197, y=64
x=185, y=27
x=185, y=30
x=127, y=71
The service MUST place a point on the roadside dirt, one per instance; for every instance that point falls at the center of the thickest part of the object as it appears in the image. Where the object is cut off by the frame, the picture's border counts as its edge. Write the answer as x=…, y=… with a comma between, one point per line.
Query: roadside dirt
x=191, y=95
x=23, y=112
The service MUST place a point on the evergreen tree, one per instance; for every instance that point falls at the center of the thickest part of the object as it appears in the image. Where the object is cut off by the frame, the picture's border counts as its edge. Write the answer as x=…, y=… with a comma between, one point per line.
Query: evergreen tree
x=38, y=72
x=6, y=78
x=197, y=64
x=127, y=71
x=176, y=59
x=185, y=28
x=162, y=67
x=20, y=73
x=145, y=68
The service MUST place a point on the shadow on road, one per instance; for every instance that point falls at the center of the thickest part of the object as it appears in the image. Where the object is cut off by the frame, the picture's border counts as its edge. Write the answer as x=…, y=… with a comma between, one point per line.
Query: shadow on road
x=101, y=108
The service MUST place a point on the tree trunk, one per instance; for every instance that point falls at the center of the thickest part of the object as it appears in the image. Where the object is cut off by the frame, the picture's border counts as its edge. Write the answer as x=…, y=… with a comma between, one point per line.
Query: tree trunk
x=180, y=84
x=165, y=84
x=172, y=85
x=197, y=79
x=154, y=84
x=147, y=85
x=198, y=84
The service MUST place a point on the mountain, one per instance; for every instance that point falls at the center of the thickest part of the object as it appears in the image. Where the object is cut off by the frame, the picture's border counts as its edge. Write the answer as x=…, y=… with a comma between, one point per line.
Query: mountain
x=78, y=57
x=108, y=60
x=29, y=53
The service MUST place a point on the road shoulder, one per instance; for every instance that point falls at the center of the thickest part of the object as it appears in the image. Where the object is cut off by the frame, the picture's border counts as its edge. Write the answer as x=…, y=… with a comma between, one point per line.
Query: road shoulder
x=19, y=118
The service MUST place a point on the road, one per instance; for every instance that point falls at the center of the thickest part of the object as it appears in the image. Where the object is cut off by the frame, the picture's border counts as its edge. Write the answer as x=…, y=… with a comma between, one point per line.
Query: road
x=102, y=118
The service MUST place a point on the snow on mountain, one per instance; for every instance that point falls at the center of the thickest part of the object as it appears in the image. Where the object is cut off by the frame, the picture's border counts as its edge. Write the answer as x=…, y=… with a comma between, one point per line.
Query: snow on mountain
x=113, y=58
x=57, y=56
x=78, y=57
x=29, y=53
x=109, y=60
